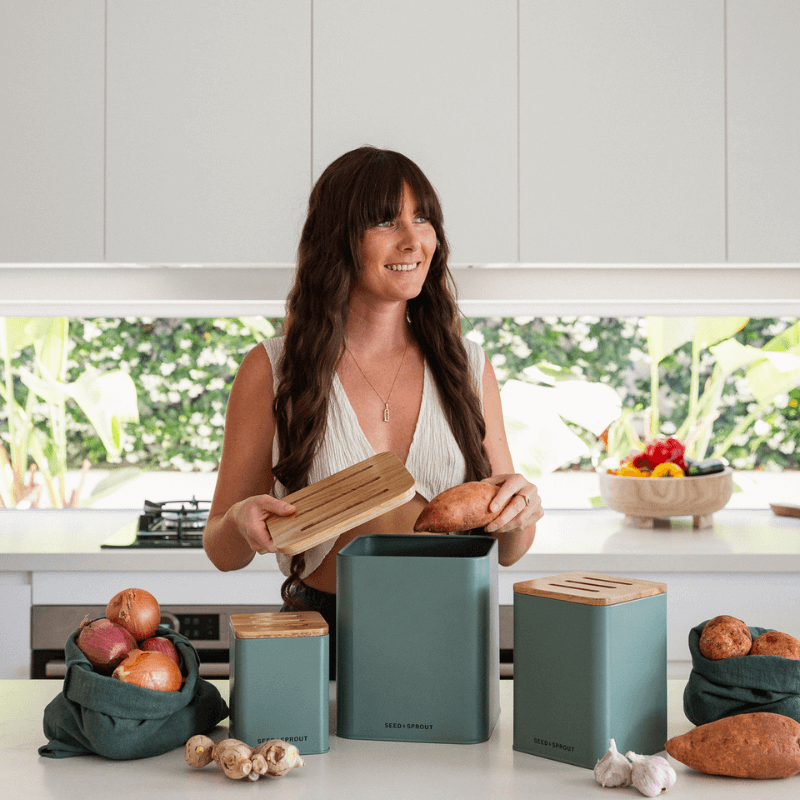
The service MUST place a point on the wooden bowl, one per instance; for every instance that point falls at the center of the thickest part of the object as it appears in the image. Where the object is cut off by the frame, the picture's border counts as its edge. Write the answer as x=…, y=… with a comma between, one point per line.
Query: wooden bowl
x=651, y=498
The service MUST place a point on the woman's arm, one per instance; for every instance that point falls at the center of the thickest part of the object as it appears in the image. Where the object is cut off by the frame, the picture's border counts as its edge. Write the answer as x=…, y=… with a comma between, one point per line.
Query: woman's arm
x=515, y=527
x=236, y=527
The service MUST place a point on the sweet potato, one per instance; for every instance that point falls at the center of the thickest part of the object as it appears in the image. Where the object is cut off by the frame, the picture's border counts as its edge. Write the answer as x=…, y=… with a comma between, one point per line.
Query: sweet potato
x=775, y=643
x=757, y=745
x=725, y=637
x=459, y=508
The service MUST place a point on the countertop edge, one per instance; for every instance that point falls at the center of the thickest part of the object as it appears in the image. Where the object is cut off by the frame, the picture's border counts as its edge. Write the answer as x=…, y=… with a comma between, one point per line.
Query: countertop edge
x=529, y=563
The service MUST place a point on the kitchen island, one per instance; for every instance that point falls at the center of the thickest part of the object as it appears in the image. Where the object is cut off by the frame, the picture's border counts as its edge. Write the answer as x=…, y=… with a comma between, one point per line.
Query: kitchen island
x=746, y=565
x=351, y=770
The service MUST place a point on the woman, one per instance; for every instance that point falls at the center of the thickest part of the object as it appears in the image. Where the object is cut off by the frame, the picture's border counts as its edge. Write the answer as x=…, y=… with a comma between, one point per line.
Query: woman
x=372, y=360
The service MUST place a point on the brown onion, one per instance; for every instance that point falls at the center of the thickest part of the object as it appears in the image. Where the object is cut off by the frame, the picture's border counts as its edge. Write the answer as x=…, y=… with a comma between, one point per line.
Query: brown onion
x=149, y=670
x=137, y=610
x=160, y=644
x=104, y=643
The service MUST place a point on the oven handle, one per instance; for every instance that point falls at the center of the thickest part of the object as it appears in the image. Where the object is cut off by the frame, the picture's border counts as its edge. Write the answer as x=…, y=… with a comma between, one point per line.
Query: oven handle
x=58, y=669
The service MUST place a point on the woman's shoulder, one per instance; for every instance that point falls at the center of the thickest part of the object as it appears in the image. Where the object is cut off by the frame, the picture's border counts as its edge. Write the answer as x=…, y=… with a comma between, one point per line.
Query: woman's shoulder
x=253, y=384
x=256, y=365
x=271, y=351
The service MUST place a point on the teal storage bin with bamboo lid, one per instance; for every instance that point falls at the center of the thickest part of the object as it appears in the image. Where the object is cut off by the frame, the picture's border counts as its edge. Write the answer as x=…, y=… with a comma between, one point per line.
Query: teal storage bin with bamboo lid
x=279, y=679
x=590, y=664
x=417, y=653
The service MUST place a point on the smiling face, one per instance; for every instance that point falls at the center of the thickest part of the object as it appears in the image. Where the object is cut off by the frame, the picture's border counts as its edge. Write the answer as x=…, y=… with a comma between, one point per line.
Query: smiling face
x=396, y=253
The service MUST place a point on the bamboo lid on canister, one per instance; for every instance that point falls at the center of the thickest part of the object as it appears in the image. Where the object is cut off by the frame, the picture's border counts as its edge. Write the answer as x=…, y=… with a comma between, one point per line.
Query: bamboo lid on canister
x=279, y=625
x=590, y=588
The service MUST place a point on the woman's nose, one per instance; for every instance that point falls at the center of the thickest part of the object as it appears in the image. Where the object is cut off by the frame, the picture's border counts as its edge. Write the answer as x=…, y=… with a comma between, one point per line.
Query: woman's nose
x=408, y=236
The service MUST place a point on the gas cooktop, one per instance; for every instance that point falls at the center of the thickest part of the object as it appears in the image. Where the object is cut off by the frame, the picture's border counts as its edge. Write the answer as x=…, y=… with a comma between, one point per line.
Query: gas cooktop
x=174, y=523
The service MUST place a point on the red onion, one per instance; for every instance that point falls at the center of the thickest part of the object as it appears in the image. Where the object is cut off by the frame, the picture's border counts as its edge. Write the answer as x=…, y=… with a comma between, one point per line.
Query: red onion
x=137, y=610
x=160, y=644
x=104, y=643
x=150, y=670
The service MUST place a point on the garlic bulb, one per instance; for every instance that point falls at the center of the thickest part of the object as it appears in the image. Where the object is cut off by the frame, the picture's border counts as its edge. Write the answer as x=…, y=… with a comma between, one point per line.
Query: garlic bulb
x=651, y=774
x=613, y=769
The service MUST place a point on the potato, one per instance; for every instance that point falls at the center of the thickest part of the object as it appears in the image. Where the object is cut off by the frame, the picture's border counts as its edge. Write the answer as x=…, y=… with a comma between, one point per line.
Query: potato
x=459, y=508
x=775, y=643
x=757, y=745
x=725, y=637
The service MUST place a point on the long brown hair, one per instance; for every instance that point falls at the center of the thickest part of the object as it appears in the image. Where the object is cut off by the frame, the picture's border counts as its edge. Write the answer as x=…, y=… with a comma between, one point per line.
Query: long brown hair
x=357, y=191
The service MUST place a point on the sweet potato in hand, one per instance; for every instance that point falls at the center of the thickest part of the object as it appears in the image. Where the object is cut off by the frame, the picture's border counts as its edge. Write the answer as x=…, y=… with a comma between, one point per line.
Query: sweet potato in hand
x=459, y=508
x=757, y=745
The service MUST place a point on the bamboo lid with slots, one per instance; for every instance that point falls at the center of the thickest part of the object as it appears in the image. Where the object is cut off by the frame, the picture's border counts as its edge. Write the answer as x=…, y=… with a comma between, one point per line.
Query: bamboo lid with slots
x=342, y=501
x=590, y=588
x=279, y=625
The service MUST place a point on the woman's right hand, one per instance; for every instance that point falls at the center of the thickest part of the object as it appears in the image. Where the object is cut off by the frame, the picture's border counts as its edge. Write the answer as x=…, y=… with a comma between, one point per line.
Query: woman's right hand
x=251, y=516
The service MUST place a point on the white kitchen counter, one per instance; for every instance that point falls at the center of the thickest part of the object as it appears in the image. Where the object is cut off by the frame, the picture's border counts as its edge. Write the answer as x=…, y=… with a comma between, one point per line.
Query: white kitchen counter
x=352, y=770
x=740, y=541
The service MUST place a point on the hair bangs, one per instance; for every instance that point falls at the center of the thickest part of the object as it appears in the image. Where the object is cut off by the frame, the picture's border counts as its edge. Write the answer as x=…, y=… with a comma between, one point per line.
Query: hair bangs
x=378, y=191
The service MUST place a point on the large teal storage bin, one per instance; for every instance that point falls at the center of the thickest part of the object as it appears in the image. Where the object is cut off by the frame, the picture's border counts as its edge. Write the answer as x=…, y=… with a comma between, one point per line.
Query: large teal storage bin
x=590, y=664
x=417, y=653
x=279, y=686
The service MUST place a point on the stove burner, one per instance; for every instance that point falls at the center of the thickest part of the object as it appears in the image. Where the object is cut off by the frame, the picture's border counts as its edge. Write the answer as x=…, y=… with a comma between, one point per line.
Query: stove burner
x=174, y=517
x=174, y=523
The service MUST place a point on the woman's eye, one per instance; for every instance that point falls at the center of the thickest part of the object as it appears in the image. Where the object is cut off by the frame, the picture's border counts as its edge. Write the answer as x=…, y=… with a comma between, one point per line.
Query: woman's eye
x=386, y=223
x=421, y=218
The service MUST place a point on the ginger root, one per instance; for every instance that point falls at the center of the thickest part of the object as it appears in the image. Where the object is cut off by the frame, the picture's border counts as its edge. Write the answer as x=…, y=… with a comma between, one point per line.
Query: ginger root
x=279, y=757
x=238, y=760
x=233, y=757
x=198, y=751
x=260, y=765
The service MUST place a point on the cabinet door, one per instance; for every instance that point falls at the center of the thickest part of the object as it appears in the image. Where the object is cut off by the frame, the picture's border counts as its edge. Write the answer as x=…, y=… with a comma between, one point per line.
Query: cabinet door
x=764, y=130
x=622, y=131
x=437, y=81
x=51, y=133
x=208, y=130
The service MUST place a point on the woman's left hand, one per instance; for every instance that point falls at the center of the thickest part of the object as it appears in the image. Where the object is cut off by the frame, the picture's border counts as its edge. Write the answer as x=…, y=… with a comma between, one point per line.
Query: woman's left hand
x=519, y=500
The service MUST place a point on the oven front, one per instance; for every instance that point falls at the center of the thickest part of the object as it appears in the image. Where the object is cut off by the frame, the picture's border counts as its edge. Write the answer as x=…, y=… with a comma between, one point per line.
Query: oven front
x=206, y=627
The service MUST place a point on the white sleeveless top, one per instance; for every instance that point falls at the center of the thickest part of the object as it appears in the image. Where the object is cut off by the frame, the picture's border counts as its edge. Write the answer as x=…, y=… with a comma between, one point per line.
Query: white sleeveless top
x=434, y=459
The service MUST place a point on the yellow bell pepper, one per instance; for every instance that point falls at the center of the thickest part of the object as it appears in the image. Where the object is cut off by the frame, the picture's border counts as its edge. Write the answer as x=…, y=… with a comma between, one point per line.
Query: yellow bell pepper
x=667, y=470
x=630, y=472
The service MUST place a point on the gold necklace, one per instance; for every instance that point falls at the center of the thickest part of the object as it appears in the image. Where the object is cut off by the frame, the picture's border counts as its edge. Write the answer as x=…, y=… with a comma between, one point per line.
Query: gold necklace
x=386, y=401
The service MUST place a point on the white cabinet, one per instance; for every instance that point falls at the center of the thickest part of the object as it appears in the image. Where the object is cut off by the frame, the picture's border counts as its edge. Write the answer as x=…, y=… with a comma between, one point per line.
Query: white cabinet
x=437, y=81
x=764, y=130
x=555, y=131
x=208, y=146
x=622, y=131
x=51, y=130
x=15, y=597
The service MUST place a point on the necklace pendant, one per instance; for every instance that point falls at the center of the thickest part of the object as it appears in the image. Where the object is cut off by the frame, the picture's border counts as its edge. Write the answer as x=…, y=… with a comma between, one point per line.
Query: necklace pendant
x=386, y=413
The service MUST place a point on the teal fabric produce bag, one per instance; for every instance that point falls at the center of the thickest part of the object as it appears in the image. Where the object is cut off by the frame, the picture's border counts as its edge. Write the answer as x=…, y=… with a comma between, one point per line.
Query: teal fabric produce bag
x=741, y=685
x=97, y=714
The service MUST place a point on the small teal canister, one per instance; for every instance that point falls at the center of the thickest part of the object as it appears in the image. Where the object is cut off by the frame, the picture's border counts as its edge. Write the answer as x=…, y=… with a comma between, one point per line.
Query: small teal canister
x=590, y=665
x=418, y=652
x=279, y=685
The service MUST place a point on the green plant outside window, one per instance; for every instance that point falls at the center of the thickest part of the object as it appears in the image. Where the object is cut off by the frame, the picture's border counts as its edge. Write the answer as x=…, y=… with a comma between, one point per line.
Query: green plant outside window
x=140, y=393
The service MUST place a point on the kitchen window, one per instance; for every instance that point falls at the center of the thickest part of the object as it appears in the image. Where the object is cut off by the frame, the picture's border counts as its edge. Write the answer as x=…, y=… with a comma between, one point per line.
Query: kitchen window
x=182, y=368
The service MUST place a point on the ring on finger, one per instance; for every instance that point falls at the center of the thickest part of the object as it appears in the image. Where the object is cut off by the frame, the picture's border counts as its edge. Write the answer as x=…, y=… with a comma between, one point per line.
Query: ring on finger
x=526, y=499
